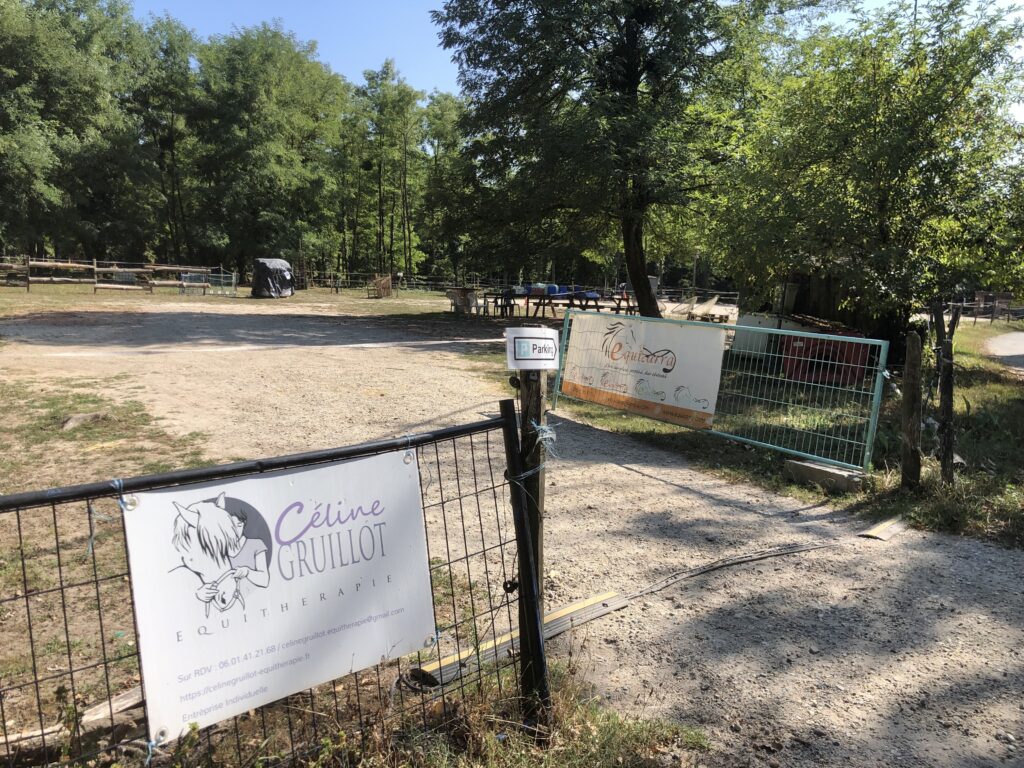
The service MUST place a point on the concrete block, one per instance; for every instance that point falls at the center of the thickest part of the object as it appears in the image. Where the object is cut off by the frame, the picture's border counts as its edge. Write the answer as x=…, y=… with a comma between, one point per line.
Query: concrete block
x=832, y=479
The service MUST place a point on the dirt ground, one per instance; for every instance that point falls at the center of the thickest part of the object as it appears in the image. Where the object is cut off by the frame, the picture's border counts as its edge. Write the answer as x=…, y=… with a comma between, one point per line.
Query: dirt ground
x=866, y=653
x=1009, y=350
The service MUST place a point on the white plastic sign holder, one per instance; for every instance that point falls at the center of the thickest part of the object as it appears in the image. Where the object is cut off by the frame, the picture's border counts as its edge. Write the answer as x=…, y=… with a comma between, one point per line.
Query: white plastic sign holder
x=531, y=349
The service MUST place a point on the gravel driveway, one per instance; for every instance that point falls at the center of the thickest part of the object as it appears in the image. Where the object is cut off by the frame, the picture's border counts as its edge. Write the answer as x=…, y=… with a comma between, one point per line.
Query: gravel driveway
x=865, y=653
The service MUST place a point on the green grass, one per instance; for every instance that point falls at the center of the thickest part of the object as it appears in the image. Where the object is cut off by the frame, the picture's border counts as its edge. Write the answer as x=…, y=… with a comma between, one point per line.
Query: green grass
x=38, y=454
x=56, y=298
x=988, y=497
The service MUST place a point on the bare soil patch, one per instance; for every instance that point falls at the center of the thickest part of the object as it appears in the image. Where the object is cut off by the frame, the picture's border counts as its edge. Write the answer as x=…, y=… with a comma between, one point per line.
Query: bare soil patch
x=1009, y=350
x=906, y=653
x=262, y=378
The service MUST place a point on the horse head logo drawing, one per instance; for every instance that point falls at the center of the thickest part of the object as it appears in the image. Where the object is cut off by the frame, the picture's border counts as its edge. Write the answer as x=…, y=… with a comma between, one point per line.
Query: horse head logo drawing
x=621, y=343
x=618, y=332
x=644, y=390
x=683, y=394
x=226, y=544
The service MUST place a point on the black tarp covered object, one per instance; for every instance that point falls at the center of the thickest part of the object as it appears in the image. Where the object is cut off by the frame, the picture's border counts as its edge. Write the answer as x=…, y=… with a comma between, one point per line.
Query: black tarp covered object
x=272, y=279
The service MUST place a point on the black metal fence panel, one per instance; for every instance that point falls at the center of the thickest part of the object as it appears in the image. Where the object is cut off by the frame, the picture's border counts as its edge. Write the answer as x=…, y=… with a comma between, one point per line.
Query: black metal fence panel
x=70, y=682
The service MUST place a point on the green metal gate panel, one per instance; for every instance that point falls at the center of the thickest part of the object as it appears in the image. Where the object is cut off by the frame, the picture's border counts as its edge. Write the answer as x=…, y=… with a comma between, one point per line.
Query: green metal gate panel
x=811, y=395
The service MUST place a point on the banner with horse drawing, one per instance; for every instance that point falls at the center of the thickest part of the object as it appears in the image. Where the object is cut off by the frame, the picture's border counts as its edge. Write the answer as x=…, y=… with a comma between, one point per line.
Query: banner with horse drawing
x=250, y=590
x=654, y=368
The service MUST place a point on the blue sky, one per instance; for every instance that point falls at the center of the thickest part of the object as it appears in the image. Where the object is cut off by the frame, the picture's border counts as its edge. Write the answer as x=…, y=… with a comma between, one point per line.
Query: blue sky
x=352, y=36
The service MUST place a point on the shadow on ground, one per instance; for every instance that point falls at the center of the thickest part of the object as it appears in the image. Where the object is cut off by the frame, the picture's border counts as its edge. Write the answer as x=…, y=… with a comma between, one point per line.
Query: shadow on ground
x=142, y=330
x=867, y=653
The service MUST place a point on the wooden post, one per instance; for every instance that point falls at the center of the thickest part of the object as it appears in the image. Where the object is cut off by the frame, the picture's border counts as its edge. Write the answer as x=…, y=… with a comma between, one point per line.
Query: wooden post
x=939, y=324
x=531, y=410
x=910, y=454
x=946, y=412
x=534, y=665
x=954, y=320
x=28, y=273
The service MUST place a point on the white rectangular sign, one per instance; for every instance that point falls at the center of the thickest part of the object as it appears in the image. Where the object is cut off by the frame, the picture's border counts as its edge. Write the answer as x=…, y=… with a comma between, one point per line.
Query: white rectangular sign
x=250, y=590
x=663, y=370
x=531, y=349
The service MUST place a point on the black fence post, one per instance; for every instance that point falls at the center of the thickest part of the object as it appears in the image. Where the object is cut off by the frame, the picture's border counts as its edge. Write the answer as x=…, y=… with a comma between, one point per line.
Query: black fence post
x=534, y=665
x=532, y=385
x=946, y=434
x=910, y=451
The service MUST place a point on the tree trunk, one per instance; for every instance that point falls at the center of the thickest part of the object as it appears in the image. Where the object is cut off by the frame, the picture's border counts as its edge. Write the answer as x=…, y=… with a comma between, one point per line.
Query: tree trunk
x=380, y=215
x=358, y=207
x=910, y=458
x=406, y=228
x=342, y=257
x=391, y=237
x=177, y=197
x=946, y=433
x=636, y=264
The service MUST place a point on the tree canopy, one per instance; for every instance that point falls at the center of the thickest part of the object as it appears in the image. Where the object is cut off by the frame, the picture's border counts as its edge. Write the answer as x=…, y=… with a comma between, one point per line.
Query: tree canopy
x=591, y=107
x=883, y=158
x=750, y=144
x=141, y=142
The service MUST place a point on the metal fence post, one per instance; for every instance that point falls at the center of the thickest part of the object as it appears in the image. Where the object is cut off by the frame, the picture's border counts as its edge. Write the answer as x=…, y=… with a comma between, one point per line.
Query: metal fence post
x=563, y=344
x=876, y=405
x=533, y=667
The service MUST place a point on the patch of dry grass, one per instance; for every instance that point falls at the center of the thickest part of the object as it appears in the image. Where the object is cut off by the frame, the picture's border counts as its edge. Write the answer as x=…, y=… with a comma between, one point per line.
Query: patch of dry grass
x=123, y=440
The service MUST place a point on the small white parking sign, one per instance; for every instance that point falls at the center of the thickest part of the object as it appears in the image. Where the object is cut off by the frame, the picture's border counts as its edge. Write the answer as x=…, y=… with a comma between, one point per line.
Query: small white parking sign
x=532, y=349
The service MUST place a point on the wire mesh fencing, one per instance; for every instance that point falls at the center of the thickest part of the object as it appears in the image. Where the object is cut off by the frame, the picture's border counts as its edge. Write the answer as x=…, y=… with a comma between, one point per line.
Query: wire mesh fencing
x=811, y=395
x=223, y=283
x=70, y=679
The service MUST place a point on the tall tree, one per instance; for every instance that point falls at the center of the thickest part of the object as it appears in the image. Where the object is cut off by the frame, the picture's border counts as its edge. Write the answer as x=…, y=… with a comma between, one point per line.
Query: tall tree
x=593, y=102
x=164, y=100
x=70, y=169
x=395, y=130
x=48, y=91
x=267, y=120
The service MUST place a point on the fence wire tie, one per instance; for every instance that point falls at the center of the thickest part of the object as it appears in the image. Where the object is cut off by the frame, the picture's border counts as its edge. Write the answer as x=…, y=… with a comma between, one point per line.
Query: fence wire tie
x=91, y=541
x=546, y=436
x=119, y=487
x=518, y=479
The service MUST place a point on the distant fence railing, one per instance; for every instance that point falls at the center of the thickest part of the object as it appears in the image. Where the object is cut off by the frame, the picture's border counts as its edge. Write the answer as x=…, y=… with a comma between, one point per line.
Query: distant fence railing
x=69, y=660
x=814, y=396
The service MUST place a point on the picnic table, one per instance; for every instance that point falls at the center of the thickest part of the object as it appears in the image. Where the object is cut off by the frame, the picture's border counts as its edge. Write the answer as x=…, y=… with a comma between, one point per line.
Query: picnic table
x=625, y=303
x=581, y=299
x=503, y=301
